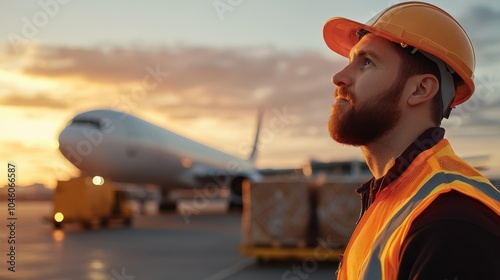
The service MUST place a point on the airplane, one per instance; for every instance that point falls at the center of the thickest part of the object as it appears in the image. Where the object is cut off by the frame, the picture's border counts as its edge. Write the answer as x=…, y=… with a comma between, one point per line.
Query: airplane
x=124, y=148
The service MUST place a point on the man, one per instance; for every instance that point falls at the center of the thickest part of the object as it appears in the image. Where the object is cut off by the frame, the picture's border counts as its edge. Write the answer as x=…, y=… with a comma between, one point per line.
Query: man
x=426, y=214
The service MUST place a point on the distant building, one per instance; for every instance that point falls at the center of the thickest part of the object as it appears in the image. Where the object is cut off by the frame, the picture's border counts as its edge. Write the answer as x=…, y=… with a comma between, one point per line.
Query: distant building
x=334, y=171
x=282, y=174
x=32, y=192
x=339, y=171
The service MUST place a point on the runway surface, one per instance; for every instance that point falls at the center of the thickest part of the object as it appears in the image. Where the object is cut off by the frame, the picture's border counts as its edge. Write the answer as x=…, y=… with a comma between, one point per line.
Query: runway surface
x=160, y=246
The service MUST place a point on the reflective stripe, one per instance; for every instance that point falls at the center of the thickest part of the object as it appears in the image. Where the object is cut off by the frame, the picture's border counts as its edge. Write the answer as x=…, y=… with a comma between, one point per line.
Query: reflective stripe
x=372, y=269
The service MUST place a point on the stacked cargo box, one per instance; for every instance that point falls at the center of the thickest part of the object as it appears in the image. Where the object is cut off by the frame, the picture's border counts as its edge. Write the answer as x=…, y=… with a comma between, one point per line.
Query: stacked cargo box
x=337, y=211
x=299, y=213
x=276, y=213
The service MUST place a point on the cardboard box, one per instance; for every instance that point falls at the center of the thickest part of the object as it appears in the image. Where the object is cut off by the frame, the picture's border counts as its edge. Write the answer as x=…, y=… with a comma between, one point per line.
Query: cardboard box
x=276, y=213
x=338, y=211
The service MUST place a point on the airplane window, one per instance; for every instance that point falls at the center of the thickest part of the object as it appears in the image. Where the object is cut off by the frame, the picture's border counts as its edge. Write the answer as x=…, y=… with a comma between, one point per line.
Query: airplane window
x=94, y=123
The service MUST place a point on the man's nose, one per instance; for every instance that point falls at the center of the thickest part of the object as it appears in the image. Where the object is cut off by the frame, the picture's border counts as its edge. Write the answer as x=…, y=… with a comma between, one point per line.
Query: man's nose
x=342, y=78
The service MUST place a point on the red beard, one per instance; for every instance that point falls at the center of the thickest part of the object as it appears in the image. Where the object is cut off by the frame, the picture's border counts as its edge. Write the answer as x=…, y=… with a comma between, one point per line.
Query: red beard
x=362, y=124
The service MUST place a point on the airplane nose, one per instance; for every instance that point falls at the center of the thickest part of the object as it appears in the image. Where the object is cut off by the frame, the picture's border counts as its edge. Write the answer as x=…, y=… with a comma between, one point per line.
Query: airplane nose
x=83, y=145
x=75, y=144
x=63, y=138
x=72, y=145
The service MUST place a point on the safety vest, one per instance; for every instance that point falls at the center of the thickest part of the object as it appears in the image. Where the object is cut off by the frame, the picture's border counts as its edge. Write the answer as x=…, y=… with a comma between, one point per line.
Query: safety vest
x=374, y=247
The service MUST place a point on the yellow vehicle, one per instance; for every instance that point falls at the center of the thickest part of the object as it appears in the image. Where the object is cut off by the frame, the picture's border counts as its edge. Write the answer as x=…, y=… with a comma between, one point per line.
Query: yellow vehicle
x=88, y=201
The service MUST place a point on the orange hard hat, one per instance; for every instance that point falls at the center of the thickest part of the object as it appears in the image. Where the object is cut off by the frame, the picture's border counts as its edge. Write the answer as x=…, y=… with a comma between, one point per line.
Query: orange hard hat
x=420, y=25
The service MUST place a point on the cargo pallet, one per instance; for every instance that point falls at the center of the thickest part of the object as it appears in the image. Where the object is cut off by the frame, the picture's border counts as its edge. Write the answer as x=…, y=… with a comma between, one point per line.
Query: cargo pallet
x=284, y=253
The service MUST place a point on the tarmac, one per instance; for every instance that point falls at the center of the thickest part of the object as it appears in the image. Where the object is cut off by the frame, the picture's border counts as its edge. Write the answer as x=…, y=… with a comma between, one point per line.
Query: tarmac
x=196, y=245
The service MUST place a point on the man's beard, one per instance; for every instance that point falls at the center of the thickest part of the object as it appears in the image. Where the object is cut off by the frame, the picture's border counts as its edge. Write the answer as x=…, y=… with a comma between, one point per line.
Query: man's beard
x=364, y=124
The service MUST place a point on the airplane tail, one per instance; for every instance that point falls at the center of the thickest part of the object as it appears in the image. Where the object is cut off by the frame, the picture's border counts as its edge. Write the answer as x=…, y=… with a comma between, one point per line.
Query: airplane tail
x=253, y=155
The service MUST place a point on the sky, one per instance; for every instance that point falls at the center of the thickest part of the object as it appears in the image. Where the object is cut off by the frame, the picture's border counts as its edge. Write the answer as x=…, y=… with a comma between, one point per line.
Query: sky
x=216, y=61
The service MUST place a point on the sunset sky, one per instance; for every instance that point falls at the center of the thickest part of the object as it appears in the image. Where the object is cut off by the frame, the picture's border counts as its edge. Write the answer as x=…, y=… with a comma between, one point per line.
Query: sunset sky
x=218, y=61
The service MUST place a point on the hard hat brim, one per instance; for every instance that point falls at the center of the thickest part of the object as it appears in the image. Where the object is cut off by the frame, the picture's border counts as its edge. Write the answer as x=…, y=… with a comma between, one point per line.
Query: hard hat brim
x=340, y=34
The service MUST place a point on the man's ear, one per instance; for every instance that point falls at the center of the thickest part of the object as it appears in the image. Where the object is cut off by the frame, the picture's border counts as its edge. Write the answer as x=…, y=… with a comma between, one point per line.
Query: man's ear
x=424, y=87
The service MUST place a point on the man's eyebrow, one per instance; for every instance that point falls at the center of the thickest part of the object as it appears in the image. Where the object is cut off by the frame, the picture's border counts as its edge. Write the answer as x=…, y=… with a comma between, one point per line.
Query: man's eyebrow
x=363, y=53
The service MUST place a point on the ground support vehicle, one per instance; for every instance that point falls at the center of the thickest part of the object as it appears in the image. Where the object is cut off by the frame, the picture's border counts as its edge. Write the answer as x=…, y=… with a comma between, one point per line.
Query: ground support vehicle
x=89, y=201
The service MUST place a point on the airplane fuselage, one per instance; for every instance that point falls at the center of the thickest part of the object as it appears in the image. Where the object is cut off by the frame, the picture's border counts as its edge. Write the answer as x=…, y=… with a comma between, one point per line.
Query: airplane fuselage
x=124, y=148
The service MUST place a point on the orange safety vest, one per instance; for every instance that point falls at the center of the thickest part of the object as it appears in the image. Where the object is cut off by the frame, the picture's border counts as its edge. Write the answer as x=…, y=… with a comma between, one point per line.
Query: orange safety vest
x=374, y=247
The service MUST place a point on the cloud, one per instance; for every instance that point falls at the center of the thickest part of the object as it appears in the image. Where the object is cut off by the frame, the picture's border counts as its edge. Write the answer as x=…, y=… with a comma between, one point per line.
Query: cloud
x=202, y=79
x=482, y=23
x=39, y=101
x=194, y=83
x=109, y=66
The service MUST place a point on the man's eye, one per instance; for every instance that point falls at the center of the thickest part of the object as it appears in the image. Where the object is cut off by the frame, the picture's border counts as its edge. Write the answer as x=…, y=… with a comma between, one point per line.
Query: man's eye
x=367, y=61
